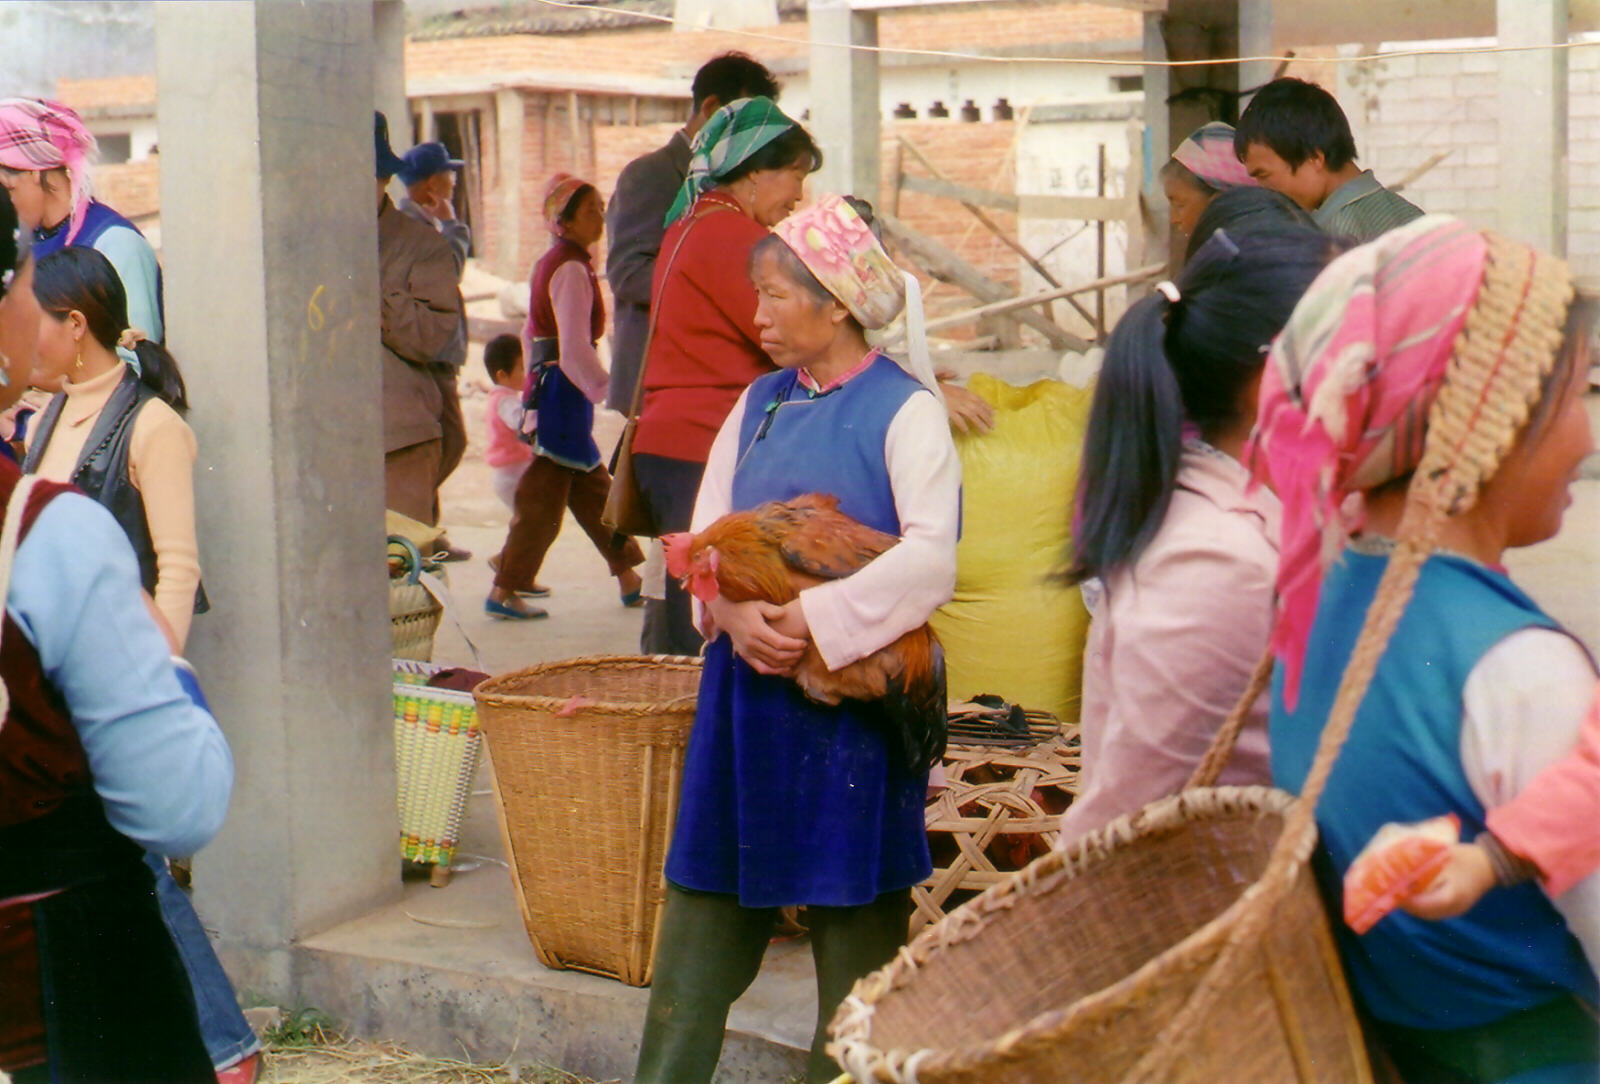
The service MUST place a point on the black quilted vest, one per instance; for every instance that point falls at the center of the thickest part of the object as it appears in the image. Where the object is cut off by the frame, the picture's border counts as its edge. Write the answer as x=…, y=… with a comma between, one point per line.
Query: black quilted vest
x=102, y=471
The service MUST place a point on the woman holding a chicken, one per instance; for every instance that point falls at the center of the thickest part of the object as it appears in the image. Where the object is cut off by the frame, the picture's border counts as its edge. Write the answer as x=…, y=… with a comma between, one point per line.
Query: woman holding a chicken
x=787, y=799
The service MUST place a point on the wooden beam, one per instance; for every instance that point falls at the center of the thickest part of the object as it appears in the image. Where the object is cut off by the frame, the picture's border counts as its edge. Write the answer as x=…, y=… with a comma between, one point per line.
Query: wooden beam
x=1416, y=174
x=1085, y=208
x=1013, y=304
x=897, y=175
x=983, y=218
x=946, y=266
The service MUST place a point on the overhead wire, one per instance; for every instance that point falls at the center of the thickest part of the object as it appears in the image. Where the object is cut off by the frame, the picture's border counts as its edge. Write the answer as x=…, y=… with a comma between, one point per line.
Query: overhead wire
x=947, y=54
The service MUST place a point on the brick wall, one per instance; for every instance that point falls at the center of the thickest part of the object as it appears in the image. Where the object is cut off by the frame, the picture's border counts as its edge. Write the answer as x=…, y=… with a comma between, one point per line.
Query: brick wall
x=131, y=188
x=659, y=52
x=1406, y=109
x=979, y=155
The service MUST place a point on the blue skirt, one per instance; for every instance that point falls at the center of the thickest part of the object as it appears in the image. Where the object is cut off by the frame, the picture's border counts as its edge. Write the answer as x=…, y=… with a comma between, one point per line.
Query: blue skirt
x=566, y=422
x=787, y=802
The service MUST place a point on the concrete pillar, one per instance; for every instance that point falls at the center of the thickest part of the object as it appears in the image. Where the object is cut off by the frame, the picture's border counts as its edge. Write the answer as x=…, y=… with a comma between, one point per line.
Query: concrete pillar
x=1192, y=96
x=427, y=125
x=270, y=258
x=1255, y=39
x=846, y=119
x=508, y=120
x=1533, y=123
x=1158, y=141
x=389, y=70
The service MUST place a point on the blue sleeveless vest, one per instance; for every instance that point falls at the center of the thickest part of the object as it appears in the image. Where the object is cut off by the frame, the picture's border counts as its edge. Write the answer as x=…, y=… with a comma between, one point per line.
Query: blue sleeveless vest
x=792, y=442
x=786, y=801
x=97, y=219
x=1402, y=762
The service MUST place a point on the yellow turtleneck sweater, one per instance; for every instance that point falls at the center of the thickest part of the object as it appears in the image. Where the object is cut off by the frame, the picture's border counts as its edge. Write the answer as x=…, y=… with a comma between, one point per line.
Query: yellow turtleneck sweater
x=161, y=467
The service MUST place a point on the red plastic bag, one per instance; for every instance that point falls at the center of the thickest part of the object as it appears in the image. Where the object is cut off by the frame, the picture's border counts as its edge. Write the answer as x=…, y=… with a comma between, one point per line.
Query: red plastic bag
x=1400, y=861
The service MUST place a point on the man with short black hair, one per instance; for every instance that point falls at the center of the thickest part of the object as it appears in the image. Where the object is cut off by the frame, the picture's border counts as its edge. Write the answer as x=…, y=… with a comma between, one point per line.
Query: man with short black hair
x=635, y=219
x=1293, y=138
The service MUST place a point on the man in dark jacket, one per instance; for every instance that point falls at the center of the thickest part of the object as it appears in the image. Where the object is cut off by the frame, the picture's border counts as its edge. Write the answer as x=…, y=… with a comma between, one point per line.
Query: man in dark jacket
x=638, y=209
x=424, y=336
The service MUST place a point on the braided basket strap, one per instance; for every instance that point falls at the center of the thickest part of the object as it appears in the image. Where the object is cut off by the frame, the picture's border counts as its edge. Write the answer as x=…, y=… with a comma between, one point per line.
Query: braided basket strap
x=1495, y=377
x=1216, y=758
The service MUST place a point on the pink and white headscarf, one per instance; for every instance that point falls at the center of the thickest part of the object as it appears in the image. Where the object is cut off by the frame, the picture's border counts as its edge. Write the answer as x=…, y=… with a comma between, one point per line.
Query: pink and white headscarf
x=1208, y=153
x=1346, y=394
x=558, y=192
x=839, y=248
x=37, y=135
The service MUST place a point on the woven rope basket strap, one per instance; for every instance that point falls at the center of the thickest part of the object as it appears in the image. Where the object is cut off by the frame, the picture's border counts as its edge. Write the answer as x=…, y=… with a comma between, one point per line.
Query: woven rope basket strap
x=1494, y=379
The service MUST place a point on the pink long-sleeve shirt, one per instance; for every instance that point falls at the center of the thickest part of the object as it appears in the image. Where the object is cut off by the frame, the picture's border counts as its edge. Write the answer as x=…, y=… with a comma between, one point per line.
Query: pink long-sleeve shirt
x=1173, y=641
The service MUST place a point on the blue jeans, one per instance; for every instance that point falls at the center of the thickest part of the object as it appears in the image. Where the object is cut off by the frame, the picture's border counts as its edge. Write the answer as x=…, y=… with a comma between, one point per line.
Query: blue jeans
x=226, y=1032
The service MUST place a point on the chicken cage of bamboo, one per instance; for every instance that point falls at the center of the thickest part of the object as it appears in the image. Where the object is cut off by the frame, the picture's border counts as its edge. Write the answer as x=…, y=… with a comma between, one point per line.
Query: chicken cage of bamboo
x=1000, y=809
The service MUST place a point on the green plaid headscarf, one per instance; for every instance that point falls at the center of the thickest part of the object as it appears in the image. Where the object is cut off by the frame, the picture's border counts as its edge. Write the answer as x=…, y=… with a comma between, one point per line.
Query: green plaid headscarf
x=734, y=133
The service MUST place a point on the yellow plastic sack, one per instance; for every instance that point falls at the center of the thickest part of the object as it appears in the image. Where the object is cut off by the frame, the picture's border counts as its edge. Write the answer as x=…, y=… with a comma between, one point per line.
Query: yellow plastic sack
x=1013, y=628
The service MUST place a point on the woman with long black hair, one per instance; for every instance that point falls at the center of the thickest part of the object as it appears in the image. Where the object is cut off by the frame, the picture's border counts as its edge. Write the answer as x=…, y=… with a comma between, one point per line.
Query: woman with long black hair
x=117, y=434
x=1175, y=549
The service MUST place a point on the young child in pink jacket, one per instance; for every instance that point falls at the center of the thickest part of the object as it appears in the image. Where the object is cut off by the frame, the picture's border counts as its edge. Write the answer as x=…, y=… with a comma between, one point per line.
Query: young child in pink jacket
x=505, y=450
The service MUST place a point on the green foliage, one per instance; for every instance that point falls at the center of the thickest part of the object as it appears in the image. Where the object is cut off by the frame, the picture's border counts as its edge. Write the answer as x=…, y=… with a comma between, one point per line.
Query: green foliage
x=301, y=1028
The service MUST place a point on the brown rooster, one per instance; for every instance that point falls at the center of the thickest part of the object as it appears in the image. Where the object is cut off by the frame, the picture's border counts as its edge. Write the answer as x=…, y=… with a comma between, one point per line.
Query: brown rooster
x=776, y=550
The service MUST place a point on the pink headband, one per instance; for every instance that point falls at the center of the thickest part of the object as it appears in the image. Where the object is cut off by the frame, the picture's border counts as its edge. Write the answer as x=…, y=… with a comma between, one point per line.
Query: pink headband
x=38, y=135
x=558, y=192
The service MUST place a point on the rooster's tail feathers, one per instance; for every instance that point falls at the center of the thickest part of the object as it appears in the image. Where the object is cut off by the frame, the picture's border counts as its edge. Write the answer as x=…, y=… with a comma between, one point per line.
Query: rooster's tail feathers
x=917, y=707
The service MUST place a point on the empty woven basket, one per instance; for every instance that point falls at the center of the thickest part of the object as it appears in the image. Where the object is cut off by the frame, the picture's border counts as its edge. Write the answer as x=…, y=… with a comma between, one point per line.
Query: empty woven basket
x=588, y=760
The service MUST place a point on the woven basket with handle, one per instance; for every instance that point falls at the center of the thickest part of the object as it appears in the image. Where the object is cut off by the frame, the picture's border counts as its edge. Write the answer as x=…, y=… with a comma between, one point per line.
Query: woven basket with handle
x=414, y=613
x=588, y=760
x=1187, y=942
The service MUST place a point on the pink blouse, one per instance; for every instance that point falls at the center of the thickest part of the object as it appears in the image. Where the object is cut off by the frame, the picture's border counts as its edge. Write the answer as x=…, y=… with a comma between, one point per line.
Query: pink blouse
x=1173, y=641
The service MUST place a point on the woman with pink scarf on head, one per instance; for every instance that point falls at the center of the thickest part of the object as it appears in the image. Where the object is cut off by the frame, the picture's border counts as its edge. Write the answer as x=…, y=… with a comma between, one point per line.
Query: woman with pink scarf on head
x=1203, y=166
x=786, y=801
x=1422, y=413
x=45, y=156
x=566, y=317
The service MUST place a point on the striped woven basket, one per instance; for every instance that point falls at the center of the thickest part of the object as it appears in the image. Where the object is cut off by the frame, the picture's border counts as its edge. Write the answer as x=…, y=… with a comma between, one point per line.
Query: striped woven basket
x=437, y=746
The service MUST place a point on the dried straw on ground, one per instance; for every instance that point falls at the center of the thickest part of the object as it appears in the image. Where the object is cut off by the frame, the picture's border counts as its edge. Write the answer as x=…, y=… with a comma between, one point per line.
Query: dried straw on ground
x=355, y=1062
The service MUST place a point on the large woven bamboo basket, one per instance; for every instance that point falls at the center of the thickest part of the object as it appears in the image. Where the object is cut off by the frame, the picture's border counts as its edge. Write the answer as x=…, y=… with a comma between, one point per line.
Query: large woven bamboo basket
x=1073, y=969
x=588, y=760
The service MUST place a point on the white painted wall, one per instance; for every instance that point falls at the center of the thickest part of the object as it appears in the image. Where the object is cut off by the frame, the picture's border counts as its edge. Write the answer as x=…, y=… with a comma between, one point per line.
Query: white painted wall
x=1021, y=84
x=1404, y=109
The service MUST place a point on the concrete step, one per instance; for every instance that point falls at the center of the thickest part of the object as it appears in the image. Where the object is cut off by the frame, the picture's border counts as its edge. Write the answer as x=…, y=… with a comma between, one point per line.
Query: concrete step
x=450, y=972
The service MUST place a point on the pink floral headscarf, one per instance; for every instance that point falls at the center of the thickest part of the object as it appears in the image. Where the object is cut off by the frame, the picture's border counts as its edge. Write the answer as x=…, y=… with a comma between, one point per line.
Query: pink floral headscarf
x=558, y=192
x=1346, y=394
x=36, y=135
x=838, y=248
